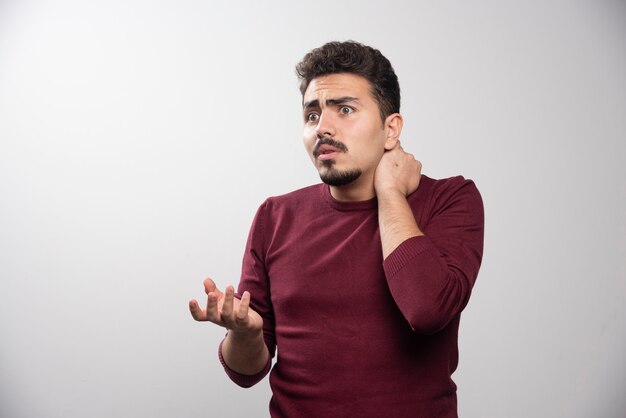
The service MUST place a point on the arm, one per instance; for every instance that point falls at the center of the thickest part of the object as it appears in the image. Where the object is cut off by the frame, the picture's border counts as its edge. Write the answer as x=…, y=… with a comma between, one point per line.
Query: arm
x=249, y=345
x=397, y=176
x=430, y=270
x=395, y=220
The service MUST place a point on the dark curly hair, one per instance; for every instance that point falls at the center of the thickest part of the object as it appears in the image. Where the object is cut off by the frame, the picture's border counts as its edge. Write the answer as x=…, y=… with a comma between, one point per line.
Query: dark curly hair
x=353, y=57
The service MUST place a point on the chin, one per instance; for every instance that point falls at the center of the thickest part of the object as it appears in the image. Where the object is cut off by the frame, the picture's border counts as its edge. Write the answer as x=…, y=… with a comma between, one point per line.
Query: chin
x=339, y=178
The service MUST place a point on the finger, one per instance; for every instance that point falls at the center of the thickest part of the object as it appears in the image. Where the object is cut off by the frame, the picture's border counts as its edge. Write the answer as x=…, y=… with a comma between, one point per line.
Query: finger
x=195, y=310
x=227, y=306
x=244, y=304
x=209, y=285
x=212, y=313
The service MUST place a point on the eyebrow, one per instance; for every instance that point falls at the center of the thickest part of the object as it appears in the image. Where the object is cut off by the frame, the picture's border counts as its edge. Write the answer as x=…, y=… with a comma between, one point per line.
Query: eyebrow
x=330, y=102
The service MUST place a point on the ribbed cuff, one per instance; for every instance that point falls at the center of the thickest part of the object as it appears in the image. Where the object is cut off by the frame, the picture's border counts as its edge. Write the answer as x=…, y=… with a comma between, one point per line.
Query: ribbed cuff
x=243, y=380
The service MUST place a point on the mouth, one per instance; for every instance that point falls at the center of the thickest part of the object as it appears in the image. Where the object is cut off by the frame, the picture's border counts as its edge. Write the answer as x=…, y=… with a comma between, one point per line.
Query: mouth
x=327, y=149
x=326, y=152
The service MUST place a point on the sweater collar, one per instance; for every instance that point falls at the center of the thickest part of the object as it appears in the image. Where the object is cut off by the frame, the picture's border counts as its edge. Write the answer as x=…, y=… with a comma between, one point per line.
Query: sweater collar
x=348, y=206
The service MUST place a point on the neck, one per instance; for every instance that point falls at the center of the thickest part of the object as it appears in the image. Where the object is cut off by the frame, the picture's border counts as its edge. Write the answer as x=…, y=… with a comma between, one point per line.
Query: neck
x=359, y=190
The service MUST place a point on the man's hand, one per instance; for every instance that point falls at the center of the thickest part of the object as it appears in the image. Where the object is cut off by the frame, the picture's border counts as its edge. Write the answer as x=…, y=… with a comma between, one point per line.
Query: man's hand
x=243, y=349
x=397, y=171
x=227, y=311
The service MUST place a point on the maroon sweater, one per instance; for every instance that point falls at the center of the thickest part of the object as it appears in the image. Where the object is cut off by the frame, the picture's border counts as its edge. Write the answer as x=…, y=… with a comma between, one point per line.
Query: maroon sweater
x=358, y=336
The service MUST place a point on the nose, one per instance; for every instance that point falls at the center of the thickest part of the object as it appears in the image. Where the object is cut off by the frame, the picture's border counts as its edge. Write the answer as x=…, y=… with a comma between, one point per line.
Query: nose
x=325, y=125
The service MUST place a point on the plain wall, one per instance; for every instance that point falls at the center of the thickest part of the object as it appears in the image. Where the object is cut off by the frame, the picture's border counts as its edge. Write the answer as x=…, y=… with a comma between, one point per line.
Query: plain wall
x=137, y=139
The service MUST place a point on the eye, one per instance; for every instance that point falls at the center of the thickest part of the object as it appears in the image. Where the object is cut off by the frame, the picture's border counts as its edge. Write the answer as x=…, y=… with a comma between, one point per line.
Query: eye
x=312, y=117
x=345, y=110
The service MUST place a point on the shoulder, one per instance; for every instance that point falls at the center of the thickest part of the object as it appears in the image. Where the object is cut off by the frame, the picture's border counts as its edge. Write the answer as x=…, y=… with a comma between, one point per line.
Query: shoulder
x=295, y=198
x=452, y=193
x=442, y=188
x=292, y=204
x=446, y=184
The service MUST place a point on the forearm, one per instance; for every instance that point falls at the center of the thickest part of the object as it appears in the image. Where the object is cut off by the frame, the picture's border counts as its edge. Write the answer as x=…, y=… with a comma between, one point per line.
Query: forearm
x=245, y=354
x=395, y=220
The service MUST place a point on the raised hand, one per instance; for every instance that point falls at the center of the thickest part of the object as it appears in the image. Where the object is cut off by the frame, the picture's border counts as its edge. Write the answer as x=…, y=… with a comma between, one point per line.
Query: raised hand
x=223, y=309
x=397, y=171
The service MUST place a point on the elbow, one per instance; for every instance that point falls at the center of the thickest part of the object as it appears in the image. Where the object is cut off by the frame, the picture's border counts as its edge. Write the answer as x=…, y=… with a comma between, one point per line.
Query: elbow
x=246, y=384
x=433, y=313
x=428, y=321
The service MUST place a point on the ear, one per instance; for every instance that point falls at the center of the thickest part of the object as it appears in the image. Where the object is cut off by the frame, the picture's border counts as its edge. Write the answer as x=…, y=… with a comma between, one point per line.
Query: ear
x=393, y=128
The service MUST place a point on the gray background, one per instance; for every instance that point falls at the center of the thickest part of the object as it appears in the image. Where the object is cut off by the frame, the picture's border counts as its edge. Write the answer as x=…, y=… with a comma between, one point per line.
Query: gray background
x=137, y=139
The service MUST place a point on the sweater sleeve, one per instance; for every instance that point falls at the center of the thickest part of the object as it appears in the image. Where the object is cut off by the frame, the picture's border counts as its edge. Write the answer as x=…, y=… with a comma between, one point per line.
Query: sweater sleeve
x=431, y=277
x=243, y=380
x=254, y=279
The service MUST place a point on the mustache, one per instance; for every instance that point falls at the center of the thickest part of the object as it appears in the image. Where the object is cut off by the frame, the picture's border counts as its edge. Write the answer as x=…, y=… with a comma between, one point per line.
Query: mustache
x=326, y=140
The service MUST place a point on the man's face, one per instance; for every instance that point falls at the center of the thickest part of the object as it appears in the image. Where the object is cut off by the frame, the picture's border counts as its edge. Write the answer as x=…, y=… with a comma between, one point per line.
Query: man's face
x=343, y=133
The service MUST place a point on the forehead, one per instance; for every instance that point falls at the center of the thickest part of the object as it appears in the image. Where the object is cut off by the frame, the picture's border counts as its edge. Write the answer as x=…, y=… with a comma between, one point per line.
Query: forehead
x=338, y=85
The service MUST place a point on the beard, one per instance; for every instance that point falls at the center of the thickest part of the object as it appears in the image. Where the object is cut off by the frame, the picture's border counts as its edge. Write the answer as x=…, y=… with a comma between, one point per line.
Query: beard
x=338, y=178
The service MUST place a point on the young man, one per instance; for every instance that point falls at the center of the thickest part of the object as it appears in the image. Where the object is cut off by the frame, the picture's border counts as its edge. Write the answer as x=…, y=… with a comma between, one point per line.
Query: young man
x=359, y=281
